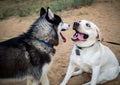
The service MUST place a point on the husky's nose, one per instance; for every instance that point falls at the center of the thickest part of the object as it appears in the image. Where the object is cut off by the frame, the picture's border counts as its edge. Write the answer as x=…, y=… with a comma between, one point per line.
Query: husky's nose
x=75, y=25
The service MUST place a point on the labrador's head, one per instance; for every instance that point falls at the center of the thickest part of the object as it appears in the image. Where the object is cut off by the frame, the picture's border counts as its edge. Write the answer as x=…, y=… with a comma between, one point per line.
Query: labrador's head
x=86, y=33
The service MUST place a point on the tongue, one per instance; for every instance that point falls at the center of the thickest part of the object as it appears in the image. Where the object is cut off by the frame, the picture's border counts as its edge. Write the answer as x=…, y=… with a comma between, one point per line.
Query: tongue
x=64, y=39
x=80, y=36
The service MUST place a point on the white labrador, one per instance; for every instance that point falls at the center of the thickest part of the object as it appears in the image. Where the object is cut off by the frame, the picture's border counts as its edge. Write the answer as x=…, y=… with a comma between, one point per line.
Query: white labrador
x=90, y=55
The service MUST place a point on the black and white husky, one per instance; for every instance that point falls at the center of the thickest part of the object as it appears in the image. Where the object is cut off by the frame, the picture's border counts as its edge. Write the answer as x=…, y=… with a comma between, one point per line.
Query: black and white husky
x=29, y=56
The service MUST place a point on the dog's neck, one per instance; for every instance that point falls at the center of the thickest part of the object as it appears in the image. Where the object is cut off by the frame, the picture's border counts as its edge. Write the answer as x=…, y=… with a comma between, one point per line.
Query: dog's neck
x=42, y=45
x=43, y=42
x=81, y=48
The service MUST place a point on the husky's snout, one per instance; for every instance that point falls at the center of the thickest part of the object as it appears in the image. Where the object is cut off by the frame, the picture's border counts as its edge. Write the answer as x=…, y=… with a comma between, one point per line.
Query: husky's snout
x=62, y=27
x=65, y=27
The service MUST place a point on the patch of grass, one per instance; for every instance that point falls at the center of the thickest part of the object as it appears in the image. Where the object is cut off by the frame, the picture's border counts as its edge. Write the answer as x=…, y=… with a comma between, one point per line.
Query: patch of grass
x=6, y=38
x=82, y=13
x=24, y=8
x=64, y=4
x=20, y=8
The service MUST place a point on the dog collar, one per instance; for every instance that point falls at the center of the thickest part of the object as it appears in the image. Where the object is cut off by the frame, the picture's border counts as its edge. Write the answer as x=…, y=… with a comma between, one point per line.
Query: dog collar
x=45, y=43
x=83, y=47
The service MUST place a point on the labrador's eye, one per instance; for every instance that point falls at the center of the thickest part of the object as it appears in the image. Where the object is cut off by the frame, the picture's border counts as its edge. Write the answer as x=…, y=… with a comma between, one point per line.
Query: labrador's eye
x=88, y=25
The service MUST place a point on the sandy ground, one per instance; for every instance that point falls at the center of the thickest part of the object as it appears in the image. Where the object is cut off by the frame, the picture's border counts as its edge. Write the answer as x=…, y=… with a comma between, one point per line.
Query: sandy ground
x=105, y=14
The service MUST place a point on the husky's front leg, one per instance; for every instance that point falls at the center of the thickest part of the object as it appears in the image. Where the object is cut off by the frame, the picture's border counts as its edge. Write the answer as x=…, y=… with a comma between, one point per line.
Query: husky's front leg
x=35, y=82
x=44, y=80
x=69, y=74
x=32, y=82
x=29, y=81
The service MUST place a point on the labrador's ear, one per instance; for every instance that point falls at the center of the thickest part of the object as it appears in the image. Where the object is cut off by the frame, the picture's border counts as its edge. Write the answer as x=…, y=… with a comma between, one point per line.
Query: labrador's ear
x=98, y=34
x=42, y=11
x=50, y=14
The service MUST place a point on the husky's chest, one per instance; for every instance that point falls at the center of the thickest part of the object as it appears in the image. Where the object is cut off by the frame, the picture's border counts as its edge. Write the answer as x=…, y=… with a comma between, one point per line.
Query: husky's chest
x=46, y=57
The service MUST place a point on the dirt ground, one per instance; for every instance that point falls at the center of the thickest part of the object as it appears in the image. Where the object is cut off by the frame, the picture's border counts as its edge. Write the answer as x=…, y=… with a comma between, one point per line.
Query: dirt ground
x=105, y=14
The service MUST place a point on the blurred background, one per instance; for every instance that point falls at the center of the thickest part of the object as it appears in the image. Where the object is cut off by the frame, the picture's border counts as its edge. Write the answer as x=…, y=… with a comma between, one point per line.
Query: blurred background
x=16, y=16
x=24, y=8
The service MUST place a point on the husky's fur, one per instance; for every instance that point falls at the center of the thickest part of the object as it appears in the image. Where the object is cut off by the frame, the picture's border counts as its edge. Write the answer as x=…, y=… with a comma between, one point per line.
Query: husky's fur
x=30, y=55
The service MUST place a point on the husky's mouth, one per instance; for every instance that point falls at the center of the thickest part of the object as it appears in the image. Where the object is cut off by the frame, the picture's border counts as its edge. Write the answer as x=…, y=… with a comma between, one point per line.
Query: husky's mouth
x=63, y=27
x=78, y=36
x=63, y=38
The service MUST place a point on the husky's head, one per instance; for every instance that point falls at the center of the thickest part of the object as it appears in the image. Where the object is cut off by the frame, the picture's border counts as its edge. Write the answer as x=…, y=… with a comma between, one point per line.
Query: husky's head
x=48, y=27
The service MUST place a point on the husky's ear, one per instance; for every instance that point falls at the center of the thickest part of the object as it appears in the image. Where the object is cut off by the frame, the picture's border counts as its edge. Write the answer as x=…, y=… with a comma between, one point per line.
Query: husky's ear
x=50, y=13
x=42, y=11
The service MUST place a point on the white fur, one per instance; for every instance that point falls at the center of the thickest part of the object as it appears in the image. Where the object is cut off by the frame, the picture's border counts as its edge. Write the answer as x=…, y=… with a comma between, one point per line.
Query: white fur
x=50, y=14
x=44, y=79
x=97, y=59
x=62, y=26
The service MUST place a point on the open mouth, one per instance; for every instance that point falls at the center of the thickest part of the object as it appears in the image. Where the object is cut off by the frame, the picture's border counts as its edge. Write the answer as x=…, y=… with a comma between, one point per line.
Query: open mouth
x=63, y=38
x=64, y=27
x=78, y=36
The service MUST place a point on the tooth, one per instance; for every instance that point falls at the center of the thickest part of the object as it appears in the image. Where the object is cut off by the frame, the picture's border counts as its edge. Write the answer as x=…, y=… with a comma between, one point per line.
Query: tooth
x=76, y=35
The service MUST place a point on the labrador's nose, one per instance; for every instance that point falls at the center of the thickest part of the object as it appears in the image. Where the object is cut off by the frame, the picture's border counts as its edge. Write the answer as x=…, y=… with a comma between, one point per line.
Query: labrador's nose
x=75, y=25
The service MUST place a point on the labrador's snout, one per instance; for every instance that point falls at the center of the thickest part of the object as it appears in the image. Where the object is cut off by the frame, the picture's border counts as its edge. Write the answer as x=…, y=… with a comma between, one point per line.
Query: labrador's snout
x=75, y=25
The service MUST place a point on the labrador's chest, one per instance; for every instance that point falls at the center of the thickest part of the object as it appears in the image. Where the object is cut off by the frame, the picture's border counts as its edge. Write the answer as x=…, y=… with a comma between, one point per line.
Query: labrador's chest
x=83, y=65
x=81, y=60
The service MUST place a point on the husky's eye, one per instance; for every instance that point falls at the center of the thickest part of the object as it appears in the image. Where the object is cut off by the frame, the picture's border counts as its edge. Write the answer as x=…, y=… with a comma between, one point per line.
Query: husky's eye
x=88, y=25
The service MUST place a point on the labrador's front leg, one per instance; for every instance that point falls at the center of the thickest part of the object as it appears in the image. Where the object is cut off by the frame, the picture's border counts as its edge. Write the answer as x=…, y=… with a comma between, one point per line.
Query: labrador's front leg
x=77, y=73
x=95, y=75
x=70, y=71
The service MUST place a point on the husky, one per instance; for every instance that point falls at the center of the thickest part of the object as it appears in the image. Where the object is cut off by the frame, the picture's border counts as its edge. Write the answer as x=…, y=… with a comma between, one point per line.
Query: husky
x=30, y=55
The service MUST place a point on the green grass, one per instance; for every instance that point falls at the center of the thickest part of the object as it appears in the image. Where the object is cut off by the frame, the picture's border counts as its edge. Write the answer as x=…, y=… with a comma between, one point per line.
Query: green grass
x=24, y=8
x=82, y=13
x=6, y=38
x=64, y=4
